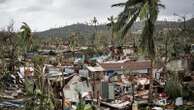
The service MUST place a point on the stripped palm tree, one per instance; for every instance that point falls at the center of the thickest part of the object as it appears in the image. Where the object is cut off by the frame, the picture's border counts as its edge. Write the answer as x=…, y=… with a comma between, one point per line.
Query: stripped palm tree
x=111, y=24
x=94, y=22
x=147, y=11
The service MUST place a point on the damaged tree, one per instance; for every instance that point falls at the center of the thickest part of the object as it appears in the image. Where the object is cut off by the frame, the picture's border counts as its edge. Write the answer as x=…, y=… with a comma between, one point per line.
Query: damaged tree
x=147, y=11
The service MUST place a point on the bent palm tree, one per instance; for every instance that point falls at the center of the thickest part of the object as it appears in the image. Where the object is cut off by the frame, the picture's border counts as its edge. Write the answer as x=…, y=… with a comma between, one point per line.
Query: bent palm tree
x=147, y=11
x=26, y=37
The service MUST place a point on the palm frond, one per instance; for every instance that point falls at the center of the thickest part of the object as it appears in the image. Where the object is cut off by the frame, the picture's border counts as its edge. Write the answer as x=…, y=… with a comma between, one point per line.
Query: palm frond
x=144, y=11
x=161, y=5
x=130, y=3
x=129, y=24
x=119, y=5
x=147, y=42
x=148, y=11
x=125, y=17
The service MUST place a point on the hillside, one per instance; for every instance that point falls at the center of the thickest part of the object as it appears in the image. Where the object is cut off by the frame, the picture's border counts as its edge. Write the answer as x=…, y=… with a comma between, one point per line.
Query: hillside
x=88, y=30
x=82, y=29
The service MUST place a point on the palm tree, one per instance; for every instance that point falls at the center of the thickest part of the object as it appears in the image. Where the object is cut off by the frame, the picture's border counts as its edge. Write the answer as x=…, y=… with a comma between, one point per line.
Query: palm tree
x=94, y=22
x=111, y=24
x=26, y=37
x=73, y=43
x=147, y=11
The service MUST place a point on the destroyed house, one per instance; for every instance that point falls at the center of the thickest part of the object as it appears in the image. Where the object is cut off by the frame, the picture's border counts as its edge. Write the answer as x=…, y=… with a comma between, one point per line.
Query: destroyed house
x=142, y=66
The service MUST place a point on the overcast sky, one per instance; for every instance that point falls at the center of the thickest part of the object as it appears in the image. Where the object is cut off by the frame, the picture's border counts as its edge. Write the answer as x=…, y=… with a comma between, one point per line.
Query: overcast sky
x=45, y=14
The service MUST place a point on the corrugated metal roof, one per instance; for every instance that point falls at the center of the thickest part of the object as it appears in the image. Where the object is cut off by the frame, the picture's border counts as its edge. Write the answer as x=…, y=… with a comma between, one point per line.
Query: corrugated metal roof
x=133, y=65
x=95, y=69
x=75, y=86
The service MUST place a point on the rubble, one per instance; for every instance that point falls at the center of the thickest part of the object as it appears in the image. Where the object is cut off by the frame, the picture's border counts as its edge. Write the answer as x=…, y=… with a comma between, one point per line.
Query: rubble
x=113, y=81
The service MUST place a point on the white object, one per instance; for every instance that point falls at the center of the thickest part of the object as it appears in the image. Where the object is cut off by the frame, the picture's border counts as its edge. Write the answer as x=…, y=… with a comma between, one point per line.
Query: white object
x=84, y=73
x=162, y=102
x=179, y=101
x=157, y=108
x=134, y=106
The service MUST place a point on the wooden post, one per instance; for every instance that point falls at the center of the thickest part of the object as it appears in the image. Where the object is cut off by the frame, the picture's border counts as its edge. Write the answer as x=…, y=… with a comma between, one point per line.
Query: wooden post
x=151, y=83
x=62, y=86
x=94, y=83
x=132, y=94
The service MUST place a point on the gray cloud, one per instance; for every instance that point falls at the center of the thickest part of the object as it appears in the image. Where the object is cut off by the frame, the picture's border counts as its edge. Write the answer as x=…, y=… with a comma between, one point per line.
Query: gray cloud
x=44, y=14
x=178, y=6
x=3, y=1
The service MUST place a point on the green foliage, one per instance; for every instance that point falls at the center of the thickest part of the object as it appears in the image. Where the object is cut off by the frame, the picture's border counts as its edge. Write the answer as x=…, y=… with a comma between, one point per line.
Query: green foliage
x=147, y=10
x=73, y=41
x=171, y=43
x=80, y=106
x=173, y=86
x=40, y=101
x=111, y=26
x=38, y=60
x=3, y=82
x=25, y=40
x=29, y=86
x=36, y=43
x=184, y=108
x=83, y=106
x=144, y=12
x=37, y=90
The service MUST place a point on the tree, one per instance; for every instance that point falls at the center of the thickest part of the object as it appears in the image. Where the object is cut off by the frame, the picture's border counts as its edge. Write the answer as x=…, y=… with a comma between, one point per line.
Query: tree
x=111, y=27
x=173, y=86
x=8, y=48
x=26, y=37
x=147, y=11
x=94, y=22
x=73, y=41
x=39, y=90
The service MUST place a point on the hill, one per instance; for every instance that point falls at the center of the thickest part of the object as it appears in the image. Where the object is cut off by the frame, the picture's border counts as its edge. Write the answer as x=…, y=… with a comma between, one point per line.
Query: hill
x=82, y=29
x=88, y=30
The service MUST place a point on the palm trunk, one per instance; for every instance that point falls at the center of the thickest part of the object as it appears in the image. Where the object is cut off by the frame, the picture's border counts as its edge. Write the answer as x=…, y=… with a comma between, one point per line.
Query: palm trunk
x=63, y=100
x=166, y=50
x=94, y=83
x=95, y=36
x=151, y=83
x=112, y=36
x=133, y=95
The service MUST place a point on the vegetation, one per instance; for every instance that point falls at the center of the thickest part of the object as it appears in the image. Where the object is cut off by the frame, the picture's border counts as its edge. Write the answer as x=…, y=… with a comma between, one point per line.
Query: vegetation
x=147, y=11
x=156, y=39
x=85, y=33
x=111, y=27
x=174, y=87
x=25, y=37
x=13, y=46
x=40, y=93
